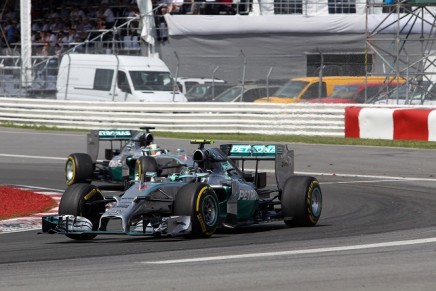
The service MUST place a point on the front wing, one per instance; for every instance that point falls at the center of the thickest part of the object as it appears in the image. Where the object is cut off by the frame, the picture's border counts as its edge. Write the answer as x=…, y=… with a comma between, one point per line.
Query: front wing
x=68, y=224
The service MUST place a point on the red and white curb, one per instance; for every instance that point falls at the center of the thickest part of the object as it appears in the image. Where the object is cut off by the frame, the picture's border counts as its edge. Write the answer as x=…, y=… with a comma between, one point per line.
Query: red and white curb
x=32, y=222
x=390, y=123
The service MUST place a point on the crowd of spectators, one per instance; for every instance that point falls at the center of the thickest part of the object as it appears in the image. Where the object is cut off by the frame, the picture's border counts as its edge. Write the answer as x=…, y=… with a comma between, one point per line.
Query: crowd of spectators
x=59, y=25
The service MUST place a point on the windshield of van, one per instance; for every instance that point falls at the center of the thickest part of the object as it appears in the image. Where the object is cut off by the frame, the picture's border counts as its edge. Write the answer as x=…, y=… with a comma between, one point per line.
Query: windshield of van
x=291, y=89
x=229, y=95
x=151, y=81
x=405, y=91
x=345, y=91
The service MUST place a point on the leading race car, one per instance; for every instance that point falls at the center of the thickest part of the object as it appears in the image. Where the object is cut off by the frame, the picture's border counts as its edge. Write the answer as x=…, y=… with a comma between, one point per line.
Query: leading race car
x=118, y=165
x=216, y=190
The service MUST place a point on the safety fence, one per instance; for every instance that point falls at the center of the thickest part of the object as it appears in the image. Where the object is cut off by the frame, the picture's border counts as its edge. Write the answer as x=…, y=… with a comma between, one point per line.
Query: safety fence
x=235, y=117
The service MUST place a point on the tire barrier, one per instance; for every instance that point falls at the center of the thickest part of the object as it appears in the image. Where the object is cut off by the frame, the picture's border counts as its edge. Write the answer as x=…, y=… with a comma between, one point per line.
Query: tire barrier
x=391, y=123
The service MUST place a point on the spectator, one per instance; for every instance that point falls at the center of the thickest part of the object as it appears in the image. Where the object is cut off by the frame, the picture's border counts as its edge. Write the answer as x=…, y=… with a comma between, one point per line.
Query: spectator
x=90, y=12
x=11, y=32
x=51, y=38
x=133, y=27
x=64, y=12
x=176, y=7
x=101, y=24
x=211, y=7
x=58, y=50
x=44, y=50
x=106, y=13
x=37, y=26
x=87, y=25
x=44, y=36
x=161, y=25
x=45, y=25
x=57, y=25
x=53, y=14
x=197, y=7
x=133, y=11
x=63, y=38
x=76, y=12
x=72, y=35
x=35, y=36
x=10, y=14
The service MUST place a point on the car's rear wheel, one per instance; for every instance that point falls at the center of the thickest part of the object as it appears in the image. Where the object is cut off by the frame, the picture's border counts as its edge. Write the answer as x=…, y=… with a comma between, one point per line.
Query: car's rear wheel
x=80, y=200
x=301, y=201
x=78, y=169
x=145, y=164
x=200, y=202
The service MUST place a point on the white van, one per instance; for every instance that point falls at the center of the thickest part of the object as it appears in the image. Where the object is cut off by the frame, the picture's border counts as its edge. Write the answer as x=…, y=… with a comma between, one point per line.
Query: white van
x=185, y=84
x=89, y=77
x=422, y=94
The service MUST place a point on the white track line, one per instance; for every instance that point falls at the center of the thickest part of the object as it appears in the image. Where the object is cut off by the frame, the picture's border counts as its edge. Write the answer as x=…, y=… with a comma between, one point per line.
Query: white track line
x=32, y=157
x=41, y=133
x=300, y=252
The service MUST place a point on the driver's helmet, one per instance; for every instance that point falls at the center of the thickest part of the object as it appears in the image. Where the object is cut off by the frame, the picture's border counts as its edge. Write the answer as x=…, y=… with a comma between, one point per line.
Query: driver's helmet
x=187, y=171
x=154, y=149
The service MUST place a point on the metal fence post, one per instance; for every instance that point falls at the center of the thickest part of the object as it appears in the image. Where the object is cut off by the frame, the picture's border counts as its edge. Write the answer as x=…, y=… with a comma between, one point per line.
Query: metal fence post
x=213, y=81
x=175, y=78
x=243, y=74
x=267, y=83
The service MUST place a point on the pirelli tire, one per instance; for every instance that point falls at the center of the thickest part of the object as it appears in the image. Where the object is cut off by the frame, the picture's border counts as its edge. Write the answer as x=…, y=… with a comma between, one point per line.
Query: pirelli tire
x=78, y=169
x=79, y=200
x=145, y=164
x=301, y=201
x=200, y=202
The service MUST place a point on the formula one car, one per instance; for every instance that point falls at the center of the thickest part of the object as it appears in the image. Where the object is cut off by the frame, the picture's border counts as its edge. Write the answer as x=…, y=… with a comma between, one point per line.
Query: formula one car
x=118, y=166
x=196, y=199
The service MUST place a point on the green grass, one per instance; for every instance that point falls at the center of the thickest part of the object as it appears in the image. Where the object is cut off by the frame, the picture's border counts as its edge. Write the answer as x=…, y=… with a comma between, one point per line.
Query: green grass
x=268, y=138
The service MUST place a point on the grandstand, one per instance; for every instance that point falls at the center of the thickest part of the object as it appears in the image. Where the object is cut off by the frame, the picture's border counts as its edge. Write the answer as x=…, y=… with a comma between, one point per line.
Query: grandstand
x=251, y=39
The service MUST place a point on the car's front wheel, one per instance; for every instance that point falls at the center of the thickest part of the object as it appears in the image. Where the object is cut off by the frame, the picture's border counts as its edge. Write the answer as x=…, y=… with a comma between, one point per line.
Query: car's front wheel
x=200, y=202
x=83, y=200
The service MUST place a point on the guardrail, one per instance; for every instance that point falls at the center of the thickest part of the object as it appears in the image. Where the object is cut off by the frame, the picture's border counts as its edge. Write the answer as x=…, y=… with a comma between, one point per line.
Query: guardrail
x=261, y=118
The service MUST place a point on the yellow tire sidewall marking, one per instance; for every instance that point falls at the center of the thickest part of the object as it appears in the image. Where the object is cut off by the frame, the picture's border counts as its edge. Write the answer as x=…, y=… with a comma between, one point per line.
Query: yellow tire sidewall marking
x=197, y=209
x=69, y=183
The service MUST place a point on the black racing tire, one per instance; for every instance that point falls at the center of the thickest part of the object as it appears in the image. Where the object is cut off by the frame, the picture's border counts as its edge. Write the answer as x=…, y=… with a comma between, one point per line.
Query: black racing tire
x=145, y=164
x=74, y=202
x=78, y=169
x=200, y=202
x=301, y=201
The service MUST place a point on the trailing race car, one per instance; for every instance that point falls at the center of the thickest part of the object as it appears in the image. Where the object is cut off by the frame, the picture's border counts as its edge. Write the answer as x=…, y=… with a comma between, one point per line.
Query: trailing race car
x=196, y=199
x=118, y=166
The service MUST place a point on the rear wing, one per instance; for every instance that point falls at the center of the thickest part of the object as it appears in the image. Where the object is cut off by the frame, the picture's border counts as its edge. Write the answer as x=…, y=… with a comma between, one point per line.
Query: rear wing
x=247, y=150
x=115, y=134
x=279, y=153
x=95, y=136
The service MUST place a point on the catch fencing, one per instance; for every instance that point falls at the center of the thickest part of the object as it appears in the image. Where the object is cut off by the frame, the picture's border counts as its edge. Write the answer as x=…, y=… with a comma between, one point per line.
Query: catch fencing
x=234, y=117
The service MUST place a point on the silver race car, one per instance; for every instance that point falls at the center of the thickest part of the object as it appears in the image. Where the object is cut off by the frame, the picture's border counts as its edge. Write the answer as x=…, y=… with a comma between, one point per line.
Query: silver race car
x=193, y=196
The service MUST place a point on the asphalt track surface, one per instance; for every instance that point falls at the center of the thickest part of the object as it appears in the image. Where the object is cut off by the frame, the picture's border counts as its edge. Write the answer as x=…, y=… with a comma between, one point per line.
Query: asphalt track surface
x=377, y=230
